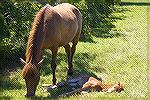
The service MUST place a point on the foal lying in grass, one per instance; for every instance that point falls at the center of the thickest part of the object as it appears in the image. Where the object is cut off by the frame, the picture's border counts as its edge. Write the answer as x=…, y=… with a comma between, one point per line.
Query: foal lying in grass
x=98, y=85
x=83, y=83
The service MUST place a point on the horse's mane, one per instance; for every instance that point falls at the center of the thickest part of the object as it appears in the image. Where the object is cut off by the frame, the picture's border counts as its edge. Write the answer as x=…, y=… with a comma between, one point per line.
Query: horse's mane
x=34, y=42
x=33, y=39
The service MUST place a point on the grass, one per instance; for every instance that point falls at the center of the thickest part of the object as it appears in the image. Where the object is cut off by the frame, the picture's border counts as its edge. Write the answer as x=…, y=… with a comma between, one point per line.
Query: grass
x=147, y=1
x=122, y=59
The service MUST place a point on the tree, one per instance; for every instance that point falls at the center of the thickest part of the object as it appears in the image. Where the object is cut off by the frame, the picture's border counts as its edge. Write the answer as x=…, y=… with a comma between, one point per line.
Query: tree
x=16, y=19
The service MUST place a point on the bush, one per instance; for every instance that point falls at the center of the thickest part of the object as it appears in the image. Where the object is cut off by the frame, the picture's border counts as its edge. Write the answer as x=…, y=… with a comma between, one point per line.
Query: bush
x=15, y=21
x=97, y=17
x=16, y=18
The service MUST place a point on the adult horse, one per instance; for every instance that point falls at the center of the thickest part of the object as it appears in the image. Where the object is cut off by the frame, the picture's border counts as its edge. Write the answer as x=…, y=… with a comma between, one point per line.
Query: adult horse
x=52, y=27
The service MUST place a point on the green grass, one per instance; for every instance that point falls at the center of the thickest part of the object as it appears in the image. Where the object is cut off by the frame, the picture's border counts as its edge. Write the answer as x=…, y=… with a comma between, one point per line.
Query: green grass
x=122, y=59
x=147, y=1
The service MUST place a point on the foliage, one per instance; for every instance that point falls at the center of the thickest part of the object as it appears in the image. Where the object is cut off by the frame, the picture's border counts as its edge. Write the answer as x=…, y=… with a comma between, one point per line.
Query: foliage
x=97, y=17
x=16, y=17
x=16, y=20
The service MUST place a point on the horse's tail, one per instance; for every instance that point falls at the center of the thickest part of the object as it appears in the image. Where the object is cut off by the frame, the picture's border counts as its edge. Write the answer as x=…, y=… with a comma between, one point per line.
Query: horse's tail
x=35, y=36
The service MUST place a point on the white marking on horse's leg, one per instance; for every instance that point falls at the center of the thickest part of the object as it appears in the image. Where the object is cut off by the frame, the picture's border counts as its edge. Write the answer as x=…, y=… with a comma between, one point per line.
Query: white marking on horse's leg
x=54, y=86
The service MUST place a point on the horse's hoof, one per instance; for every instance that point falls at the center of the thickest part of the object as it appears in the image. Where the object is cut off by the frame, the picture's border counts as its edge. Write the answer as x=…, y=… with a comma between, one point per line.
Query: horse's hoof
x=54, y=86
x=70, y=73
x=50, y=88
x=46, y=85
x=29, y=95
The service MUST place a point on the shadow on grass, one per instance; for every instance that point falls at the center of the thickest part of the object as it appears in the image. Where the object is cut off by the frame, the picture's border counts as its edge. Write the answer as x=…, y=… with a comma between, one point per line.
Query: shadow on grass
x=9, y=59
x=111, y=34
x=135, y=3
x=5, y=98
x=6, y=83
x=103, y=31
x=81, y=64
x=80, y=61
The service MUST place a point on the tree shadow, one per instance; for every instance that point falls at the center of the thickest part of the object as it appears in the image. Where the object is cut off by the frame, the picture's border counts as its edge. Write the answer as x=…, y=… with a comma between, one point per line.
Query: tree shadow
x=98, y=21
x=86, y=38
x=5, y=98
x=81, y=62
x=10, y=60
x=46, y=68
x=6, y=83
x=135, y=4
x=111, y=34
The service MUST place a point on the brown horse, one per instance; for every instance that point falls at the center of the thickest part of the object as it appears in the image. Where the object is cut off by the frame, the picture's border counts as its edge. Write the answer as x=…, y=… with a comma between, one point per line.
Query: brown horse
x=52, y=27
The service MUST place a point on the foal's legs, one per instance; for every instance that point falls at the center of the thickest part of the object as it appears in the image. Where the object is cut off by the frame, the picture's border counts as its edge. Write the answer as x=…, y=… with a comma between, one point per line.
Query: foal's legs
x=70, y=52
x=53, y=64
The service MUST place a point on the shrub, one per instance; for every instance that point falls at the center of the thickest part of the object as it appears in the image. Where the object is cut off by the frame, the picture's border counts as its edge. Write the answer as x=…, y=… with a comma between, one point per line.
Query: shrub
x=15, y=24
x=97, y=17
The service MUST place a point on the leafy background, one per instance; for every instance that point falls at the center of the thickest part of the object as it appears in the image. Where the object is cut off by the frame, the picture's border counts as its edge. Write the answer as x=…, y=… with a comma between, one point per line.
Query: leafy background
x=16, y=17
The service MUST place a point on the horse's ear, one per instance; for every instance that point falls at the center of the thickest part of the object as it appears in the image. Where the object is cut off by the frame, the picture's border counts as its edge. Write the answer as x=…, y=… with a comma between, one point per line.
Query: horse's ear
x=40, y=62
x=23, y=62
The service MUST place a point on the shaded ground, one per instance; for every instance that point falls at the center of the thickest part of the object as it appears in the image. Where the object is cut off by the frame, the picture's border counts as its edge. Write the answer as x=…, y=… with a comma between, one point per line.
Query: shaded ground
x=135, y=3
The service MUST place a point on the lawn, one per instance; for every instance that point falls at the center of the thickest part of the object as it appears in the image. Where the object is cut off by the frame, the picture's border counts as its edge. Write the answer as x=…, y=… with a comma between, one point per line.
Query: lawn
x=119, y=59
x=147, y=1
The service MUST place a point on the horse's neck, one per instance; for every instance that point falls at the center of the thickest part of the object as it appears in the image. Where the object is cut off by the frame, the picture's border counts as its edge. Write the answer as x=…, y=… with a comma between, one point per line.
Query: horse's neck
x=33, y=54
x=35, y=39
x=34, y=47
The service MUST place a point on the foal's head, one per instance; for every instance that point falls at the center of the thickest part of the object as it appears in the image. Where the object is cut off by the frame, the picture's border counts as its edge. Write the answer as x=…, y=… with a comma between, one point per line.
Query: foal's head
x=31, y=74
x=118, y=87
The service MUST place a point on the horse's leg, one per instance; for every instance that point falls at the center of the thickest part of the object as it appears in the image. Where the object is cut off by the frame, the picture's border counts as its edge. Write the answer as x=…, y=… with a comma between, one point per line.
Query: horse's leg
x=70, y=65
x=73, y=49
x=53, y=64
x=70, y=52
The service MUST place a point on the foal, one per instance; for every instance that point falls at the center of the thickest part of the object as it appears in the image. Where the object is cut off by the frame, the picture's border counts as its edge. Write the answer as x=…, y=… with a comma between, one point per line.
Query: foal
x=98, y=85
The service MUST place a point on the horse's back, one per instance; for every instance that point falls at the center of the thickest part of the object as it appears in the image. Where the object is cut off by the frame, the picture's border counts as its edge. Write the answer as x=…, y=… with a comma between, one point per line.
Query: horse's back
x=66, y=7
x=67, y=10
x=64, y=19
x=70, y=11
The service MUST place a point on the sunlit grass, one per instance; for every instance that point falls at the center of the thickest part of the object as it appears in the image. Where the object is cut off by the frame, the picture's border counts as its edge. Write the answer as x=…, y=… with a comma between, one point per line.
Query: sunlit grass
x=122, y=59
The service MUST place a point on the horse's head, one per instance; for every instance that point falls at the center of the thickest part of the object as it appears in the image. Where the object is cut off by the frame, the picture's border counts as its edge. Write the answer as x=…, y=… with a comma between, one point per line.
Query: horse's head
x=31, y=74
